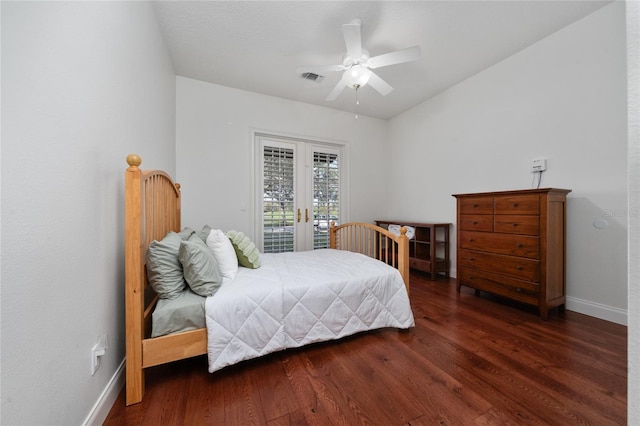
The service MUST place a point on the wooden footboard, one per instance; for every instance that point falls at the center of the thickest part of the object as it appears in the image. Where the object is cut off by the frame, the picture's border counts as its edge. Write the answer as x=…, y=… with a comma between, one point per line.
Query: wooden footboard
x=375, y=242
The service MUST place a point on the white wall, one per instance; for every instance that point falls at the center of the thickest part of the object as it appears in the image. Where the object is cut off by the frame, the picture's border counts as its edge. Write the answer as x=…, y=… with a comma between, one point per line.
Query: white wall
x=215, y=151
x=83, y=85
x=563, y=98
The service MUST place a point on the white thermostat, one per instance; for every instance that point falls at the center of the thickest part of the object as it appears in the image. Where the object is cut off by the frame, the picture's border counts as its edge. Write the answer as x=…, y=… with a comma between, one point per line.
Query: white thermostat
x=539, y=164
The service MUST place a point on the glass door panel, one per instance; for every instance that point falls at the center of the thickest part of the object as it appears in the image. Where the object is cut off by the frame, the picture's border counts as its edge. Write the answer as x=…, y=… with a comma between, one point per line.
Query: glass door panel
x=278, y=199
x=299, y=186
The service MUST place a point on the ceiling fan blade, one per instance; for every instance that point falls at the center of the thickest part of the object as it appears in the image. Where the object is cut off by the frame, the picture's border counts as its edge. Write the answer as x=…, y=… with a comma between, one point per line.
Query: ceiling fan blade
x=399, y=56
x=336, y=90
x=352, y=38
x=320, y=69
x=379, y=84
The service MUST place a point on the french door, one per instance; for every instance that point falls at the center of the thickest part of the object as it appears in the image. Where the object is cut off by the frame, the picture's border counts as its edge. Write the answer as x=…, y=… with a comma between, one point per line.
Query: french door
x=298, y=193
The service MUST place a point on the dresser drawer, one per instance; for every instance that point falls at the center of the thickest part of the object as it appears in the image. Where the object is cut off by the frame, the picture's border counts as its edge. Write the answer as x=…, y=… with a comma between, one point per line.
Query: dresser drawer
x=475, y=205
x=523, y=245
x=520, y=204
x=476, y=222
x=511, y=288
x=517, y=224
x=516, y=267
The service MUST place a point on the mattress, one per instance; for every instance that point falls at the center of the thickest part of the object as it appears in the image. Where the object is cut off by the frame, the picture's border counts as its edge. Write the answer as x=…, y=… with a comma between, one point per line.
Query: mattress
x=299, y=298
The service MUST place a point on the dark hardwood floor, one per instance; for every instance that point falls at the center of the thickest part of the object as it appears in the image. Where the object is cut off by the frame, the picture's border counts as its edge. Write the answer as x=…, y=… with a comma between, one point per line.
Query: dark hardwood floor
x=469, y=360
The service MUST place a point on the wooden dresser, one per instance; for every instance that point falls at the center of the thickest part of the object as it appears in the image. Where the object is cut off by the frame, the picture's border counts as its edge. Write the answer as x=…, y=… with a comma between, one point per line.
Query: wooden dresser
x=512, y=243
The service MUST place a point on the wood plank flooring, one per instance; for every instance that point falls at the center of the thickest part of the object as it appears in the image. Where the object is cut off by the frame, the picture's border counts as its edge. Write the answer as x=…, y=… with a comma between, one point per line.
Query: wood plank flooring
x=469, y=360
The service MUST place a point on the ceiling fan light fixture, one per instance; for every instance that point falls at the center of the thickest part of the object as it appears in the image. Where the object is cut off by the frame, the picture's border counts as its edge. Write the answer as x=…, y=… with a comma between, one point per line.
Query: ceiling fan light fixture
x=356, y=76
x=357, y=64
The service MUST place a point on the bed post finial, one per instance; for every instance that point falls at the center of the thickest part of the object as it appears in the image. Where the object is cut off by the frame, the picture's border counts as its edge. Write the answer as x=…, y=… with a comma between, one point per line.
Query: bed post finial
x=134, y=160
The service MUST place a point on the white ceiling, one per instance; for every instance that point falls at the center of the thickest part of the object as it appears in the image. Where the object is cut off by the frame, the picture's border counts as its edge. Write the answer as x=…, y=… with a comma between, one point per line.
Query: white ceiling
x=257, y=45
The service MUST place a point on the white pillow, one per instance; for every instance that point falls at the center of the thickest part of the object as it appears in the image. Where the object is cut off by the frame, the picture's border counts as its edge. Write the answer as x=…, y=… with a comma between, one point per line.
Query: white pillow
x=395, y=229
x=224, y=254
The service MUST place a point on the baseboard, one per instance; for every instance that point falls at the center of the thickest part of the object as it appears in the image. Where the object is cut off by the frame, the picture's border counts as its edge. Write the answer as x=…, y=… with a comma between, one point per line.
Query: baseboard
x=101, y=409
x=598, y=310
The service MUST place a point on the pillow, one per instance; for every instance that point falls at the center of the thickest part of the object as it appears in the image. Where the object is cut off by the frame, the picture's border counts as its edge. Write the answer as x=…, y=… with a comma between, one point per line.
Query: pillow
x=204, y=233
x=164, y=270
x=186, y=233
x=224, y=254
x=200, y=267
x=395, y=229
x=246, y=251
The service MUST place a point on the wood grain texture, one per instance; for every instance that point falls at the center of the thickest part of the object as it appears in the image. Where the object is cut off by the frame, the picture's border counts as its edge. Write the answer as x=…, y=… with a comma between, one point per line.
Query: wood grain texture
x=187, y=344
x=469, y=360
x=523, y=255
x=152, y=208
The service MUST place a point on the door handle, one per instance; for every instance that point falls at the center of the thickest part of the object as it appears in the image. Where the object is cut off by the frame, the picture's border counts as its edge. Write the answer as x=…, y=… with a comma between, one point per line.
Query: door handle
x=299, y=215
x=306, y=215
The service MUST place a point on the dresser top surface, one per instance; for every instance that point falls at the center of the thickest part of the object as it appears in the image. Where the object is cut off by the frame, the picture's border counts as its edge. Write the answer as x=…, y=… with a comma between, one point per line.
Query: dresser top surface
x=416, y=224
x=516, y=192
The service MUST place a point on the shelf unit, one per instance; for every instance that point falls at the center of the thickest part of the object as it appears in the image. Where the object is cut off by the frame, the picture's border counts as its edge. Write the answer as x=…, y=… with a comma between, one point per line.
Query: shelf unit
x=429, y=248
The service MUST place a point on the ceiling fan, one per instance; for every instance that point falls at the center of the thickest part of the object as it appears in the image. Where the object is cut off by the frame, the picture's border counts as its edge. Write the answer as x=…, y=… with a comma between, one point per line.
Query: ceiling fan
x=357, y=64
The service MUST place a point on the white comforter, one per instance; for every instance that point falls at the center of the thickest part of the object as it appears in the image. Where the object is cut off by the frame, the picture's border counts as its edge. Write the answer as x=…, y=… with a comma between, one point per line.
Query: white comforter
x=298, y=298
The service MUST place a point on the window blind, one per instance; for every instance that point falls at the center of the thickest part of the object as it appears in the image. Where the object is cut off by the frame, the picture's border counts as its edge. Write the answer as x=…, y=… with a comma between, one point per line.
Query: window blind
x=279, y=197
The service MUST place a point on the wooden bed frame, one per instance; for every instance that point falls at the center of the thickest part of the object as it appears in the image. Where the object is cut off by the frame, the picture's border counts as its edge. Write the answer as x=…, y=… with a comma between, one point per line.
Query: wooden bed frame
x=152, y=209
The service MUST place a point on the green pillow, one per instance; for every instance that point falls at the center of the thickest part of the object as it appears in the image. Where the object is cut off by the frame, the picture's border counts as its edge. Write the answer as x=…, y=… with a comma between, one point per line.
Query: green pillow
x=186, y=233
x=200, y=267
x=246, y=251
x=164, y=270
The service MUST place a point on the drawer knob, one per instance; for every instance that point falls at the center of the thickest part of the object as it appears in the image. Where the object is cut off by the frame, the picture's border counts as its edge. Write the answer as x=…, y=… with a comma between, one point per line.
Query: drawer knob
x=514, y=224
x=475, y=222
x=520, y=245
x=519, y=268
x=471, y=240
x=470, y=259
x=518, y=290
x=515, y=204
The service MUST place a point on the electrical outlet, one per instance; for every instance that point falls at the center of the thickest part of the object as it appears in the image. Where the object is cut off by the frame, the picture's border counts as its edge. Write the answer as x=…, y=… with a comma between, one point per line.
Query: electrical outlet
x=98, y=350
x=539, y=165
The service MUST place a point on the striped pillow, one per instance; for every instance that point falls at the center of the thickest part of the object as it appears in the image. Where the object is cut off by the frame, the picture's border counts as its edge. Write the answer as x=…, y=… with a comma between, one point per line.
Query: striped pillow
x=246, y=251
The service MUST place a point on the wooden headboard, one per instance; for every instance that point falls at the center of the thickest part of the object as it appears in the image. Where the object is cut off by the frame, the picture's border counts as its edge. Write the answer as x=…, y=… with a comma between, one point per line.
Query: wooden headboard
x=152, y=209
